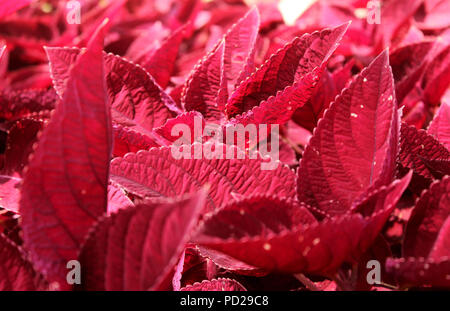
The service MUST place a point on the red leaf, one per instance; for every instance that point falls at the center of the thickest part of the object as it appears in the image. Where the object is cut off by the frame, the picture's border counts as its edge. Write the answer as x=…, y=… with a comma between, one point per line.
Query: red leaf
x=239, y=51
x=193, y=268
x=161, y=62
x=101, y=14
x=441, y=247
x=290, y=246
x=414, y=35
x=148, y=41
x=137, y=248
x=284, y=68
x=324, y=13
x=187, y=118
x=4, y=59
x=16, y=273
x=342, y=76
x=287, y=154
x=354, y=146
x=419, y=272
x=436, y=79
x=177, y=276
x=436, y=16
x=427, y=218
x=417, y=147
x=439, y=168
x=129, y=140
x=64, y=188
x=31, y=77
x=215, y=77
x=395, y=15
x=117, y=199
x=323, y=94
x=204, y=90
x=229, y=263
x=383, y=198
x=440, y=126
x=184, y=12
x=60, y=61
x=19, y=146
x=219, y=285
x=10, y=193
x=263, y=215
x=147, y=104
x=408, y=64
x=26, y=103
x=280, y=108
x=8, y=7
x=427, y=239
x=417, y=115
x=157, y=173
x=136, y=99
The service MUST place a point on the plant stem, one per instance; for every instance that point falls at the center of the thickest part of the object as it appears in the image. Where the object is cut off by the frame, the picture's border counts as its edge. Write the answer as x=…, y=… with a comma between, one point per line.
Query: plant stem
x=307, y=282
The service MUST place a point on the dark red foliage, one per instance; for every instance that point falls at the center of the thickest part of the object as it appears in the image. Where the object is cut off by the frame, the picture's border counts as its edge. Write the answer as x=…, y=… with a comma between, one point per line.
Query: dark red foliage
x=90, y=119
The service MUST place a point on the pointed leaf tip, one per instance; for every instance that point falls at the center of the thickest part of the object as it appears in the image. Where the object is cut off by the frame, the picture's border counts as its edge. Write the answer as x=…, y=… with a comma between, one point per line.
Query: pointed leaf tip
x=65, y=186
x=295, y=61
x=354, y=147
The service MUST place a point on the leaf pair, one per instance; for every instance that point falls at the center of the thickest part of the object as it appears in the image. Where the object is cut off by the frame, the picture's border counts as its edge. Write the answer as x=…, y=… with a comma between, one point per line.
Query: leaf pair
x=347, y=168
x=354, y=147
x=64, y=186
x=221, y=85
x=65, y=191
x=285, y=81
x=230, y=61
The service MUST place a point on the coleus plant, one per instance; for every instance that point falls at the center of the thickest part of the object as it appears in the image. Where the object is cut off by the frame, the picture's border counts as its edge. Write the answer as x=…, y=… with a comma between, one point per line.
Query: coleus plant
x=86, y=140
